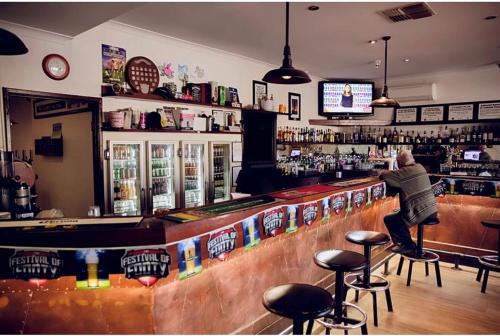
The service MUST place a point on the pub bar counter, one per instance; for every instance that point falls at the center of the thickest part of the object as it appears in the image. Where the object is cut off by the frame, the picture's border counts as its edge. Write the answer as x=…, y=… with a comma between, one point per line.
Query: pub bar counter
x=226, y=296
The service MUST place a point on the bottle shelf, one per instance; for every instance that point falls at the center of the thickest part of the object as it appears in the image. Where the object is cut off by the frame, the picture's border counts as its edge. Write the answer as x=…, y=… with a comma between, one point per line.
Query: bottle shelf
x=386, y=143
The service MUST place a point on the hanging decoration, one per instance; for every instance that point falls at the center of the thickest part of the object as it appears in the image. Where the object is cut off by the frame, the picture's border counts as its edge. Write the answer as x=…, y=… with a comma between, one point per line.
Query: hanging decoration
x=272, y=221
x=309, y=212
x=146, y=265
x=359, y=197
x=221, y=243
x=326, y=209
x=377, y=191
x=91, y=269
x=251, y=234
x=292, y=218
x=189, y=257
x=35, y=266
x=338, y=202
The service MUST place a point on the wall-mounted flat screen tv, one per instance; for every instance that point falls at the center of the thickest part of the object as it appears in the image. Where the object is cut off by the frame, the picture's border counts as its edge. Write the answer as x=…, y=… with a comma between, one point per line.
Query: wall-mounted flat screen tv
x=345, y=98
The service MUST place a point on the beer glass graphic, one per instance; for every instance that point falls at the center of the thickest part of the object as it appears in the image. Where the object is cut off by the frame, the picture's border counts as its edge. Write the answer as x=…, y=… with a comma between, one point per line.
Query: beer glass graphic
x=369, y=195
x=251, y=230
x=292, y=212
x=189, y=256
x=452, y=186
x=92, y=261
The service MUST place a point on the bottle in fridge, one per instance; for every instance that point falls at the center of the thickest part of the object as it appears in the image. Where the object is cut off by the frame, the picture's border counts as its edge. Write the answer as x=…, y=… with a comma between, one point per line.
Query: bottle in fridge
x=162, y=175
x=220, y=172
x=193, y=167
x=126, y=178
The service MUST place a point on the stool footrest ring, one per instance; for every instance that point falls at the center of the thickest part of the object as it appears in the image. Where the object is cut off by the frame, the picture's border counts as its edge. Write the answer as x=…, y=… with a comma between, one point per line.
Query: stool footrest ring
x=351, y=323
x=490, y=261
x=373, y=286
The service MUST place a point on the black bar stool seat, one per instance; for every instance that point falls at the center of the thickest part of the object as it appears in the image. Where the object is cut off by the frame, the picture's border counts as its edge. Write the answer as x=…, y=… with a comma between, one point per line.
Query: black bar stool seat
x=299, y=302
x=364, y=282
x=341, y=261
x=422, y=255
x=490, y=262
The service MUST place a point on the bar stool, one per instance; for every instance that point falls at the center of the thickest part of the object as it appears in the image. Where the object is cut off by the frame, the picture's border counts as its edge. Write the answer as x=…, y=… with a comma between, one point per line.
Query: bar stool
x=490, y=262
x=369, y=239
x=422, y=255
x=299, y=302
x=342, y=261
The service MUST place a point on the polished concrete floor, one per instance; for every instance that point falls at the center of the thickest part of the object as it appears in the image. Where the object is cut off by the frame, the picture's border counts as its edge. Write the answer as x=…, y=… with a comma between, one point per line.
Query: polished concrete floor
x=458, y=307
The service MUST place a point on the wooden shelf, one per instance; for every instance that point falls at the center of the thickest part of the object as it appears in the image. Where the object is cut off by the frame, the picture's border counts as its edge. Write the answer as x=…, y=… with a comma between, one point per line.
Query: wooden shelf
x=349, y=122
x=157, y=98
x=166, y=130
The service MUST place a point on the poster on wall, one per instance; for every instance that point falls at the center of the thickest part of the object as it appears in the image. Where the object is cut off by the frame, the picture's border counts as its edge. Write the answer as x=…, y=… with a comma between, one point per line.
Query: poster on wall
x=292, y=218
x=338, y=202
x=432, y=113
x=461, y=112
x=147, y=265
x=35, y=266
x=406, y=115
x=113, y=64
x=221, y=243
x=326, y=209
x=251, y=235
x=189, y=257
x=489, y=111
x=92, y=269
x=309, y=213
x=272, y=221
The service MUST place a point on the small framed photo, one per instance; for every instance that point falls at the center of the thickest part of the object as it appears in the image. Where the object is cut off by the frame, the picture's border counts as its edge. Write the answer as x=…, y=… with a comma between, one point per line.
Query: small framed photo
x=294, y=108
x=259, y=90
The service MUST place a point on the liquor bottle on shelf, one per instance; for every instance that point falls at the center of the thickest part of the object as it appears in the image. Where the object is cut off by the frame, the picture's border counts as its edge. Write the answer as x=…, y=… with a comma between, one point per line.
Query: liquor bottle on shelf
x=451, y=138
x=484, y=138
x=474, y=134
x=424, y=138
x=464, y=135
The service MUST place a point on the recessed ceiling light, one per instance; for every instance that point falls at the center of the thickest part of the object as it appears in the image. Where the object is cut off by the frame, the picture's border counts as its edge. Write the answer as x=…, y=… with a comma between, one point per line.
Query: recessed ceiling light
x=406, y=59
x=372, y=41
x=313, y=8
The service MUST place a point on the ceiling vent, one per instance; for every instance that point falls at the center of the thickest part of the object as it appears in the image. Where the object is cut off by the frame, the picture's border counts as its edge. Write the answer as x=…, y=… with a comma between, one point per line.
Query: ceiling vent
x=409, y=12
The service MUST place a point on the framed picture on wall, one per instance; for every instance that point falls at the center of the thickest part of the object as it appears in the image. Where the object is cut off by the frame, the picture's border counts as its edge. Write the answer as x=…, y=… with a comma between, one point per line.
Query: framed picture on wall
x=235, y=171
x=294, y=108
x=259, y=90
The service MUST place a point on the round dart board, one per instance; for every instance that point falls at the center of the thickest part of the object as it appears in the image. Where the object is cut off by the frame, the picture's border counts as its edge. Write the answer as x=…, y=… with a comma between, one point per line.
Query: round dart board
x=142, y=75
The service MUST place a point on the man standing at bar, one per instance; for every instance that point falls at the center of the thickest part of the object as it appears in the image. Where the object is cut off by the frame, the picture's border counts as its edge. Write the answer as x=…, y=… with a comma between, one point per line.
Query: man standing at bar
x=416, y=199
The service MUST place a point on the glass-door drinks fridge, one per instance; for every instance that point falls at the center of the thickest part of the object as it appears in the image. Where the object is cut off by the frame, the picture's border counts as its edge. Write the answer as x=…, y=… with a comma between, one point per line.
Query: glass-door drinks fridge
x=220, y=181
x=162, y=175
x=193, y=169
x=126, y=177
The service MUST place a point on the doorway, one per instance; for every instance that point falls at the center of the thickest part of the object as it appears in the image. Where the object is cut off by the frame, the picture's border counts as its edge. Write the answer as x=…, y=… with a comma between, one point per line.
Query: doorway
x=58, y=136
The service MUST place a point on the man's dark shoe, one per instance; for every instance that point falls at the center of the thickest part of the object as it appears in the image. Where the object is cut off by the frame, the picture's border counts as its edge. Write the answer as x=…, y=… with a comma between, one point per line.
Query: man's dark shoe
x=396, y=248
x=408, y=250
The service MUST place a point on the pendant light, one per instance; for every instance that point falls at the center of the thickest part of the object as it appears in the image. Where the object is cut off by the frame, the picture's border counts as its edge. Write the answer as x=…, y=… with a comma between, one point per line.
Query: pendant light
x=287, y=74
x=10, y=44
x=385, y=101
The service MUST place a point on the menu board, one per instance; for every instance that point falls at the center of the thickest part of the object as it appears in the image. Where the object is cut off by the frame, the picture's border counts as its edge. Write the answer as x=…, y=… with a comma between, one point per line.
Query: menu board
x=460, y=112
x=432, y=113
x=406, y=115
x=489, y=111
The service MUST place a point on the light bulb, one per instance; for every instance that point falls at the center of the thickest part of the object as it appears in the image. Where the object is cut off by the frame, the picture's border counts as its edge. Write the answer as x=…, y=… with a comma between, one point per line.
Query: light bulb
x=286, y=77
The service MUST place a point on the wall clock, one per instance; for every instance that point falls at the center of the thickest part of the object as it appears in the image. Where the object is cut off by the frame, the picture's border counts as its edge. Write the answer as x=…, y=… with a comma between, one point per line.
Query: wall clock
x=55, y=66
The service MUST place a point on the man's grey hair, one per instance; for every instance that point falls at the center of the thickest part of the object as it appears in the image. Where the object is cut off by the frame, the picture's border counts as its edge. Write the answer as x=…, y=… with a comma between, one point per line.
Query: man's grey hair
x=405, y=158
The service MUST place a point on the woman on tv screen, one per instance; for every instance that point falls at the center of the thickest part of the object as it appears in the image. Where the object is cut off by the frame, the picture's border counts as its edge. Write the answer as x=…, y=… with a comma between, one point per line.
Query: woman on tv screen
x=347, y=99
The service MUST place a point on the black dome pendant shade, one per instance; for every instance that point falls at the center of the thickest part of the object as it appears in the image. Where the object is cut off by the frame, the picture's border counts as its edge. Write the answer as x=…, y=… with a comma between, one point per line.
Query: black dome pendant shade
x=385, y=101
x=287, y=74
x=10, y=44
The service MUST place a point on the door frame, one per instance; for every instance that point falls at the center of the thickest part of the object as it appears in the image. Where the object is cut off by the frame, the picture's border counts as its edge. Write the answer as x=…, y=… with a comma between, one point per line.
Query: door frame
x=95, y=106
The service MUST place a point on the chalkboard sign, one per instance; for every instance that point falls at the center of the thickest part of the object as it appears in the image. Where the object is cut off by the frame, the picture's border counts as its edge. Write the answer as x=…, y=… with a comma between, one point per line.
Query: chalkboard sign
x=439, y=189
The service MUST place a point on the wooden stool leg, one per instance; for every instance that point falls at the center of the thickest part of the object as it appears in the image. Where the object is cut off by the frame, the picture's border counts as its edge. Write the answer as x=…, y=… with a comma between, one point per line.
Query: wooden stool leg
x=426, y=269
x=309, y=327
x=485, y=280
x=375, y=312
x=298, y=327
x=410, y=269
x=479, y=273
x=388, y=299
x=438, y=273
x=400, y=266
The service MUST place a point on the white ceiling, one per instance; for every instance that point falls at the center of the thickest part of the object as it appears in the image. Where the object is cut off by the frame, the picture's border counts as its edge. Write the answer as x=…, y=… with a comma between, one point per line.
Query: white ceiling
x=330, y=43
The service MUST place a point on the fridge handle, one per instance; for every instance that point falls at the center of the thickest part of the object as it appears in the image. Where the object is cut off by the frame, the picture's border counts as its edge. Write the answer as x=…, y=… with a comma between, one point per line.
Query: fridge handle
x=143, y=201
x=150, y=202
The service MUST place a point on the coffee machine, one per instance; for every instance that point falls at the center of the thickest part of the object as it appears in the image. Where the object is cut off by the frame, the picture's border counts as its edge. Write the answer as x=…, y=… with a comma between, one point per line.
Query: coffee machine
x=15, y=195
